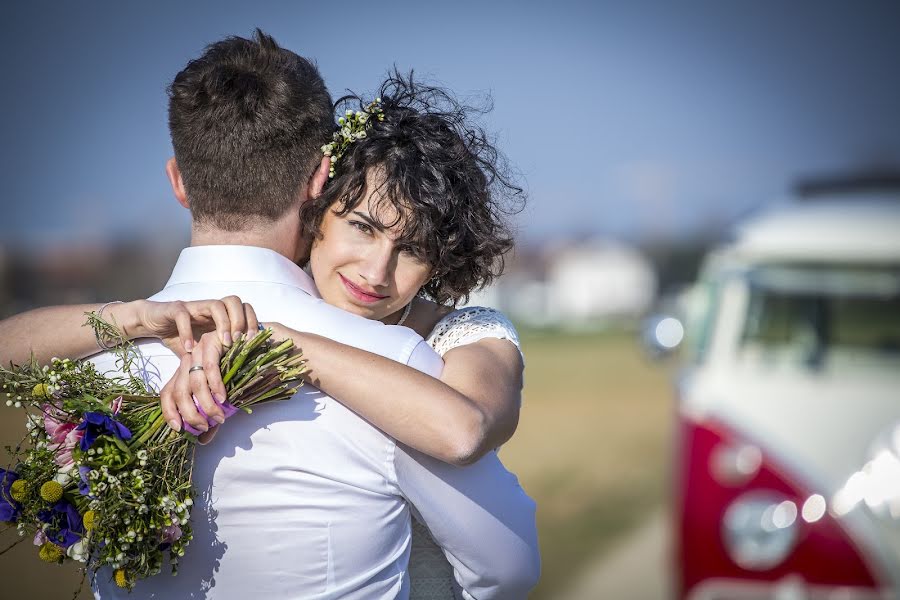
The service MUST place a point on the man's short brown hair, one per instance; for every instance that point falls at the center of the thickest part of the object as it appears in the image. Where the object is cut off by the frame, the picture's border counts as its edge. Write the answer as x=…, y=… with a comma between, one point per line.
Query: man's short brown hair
x=248, y=119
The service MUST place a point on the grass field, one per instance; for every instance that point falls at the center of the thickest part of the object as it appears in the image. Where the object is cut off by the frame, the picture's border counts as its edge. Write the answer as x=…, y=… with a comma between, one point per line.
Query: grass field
x=590, y=449
x=591, y=445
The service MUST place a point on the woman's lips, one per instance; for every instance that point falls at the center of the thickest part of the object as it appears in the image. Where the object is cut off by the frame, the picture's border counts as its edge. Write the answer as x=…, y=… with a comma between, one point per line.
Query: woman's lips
x=359, y=293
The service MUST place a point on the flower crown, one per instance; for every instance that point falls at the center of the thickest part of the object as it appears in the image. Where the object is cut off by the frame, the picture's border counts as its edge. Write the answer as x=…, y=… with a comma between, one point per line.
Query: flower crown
x=353, y=127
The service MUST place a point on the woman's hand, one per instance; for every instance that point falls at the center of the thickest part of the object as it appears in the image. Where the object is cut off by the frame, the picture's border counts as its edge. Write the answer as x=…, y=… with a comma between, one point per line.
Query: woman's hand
x=202, y=388
x=178, y=323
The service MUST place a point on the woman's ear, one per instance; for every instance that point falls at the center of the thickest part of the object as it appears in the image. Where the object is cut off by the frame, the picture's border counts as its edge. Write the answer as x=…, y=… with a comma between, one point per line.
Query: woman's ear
x=318, y=179
x=174, y=175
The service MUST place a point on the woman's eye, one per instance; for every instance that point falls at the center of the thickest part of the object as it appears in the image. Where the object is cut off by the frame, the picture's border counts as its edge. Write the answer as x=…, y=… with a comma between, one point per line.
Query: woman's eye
x=411, y=251
x=363, y=227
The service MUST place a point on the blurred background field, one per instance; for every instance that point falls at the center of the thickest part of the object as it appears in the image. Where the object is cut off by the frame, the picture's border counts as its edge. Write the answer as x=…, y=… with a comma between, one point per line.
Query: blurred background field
x=590, y=449
x=591, y=445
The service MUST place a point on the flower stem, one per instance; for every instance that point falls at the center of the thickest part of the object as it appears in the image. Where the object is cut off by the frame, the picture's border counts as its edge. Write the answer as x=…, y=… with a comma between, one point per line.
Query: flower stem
x=138, y=441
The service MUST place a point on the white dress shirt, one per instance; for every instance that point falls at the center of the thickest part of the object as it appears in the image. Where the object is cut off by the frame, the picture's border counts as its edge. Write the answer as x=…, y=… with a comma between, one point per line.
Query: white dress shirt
x=303, y=498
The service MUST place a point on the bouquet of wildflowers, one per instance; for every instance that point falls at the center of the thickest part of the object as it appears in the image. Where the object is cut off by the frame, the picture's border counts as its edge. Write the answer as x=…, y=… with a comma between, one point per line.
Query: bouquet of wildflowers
x=99, y=477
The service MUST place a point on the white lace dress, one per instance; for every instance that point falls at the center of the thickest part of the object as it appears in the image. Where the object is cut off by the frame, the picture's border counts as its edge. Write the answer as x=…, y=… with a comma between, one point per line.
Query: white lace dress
x=431, y=576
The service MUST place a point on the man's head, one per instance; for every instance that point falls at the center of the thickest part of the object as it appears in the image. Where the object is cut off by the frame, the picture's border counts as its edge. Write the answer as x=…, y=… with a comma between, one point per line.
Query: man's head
x=248, y=119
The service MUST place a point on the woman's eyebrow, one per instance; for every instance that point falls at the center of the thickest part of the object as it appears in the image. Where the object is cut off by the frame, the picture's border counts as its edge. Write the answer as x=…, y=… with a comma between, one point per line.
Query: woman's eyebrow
x=369, y=220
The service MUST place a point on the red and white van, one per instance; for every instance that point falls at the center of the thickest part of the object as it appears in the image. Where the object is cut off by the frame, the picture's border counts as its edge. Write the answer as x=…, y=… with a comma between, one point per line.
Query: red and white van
x=787, y=450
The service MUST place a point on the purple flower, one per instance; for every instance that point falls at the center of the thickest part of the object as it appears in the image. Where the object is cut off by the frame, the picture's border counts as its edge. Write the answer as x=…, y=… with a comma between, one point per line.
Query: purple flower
x=171, y=533
x=9, y=508
x=66, y=526
x=96, y=424
x=84, y=486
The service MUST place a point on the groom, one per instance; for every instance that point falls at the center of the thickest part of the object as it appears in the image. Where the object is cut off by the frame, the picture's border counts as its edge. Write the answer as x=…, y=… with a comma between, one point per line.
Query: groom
x=303, y=499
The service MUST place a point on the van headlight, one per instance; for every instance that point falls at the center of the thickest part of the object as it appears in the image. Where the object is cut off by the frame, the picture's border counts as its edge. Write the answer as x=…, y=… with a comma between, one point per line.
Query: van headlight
x=759, y=530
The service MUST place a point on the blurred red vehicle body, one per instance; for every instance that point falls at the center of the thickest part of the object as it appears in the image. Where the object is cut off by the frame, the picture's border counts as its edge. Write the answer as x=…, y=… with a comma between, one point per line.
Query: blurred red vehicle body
x=787, y=449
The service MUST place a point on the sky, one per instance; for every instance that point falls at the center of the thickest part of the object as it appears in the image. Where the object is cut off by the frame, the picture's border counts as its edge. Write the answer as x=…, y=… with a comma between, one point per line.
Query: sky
x=635, y=120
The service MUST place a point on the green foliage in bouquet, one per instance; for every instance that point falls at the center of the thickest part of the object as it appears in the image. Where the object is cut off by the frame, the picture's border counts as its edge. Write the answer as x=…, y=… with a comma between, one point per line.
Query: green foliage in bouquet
x=99, y=477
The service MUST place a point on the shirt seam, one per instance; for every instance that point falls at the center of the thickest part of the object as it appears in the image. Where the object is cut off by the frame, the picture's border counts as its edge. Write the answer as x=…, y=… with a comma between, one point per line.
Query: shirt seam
x=405, y=355
x=412, y=343
x=393, y=481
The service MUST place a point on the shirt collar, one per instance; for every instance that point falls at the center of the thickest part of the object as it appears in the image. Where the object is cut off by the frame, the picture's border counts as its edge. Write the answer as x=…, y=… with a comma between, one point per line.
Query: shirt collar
x=198, y=264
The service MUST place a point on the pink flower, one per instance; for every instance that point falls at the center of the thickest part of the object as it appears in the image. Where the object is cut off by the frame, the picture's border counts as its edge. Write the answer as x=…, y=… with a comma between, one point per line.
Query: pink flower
x=60, y=434
x=40, y=538
x=63, y=436
x=53, y=420
x=116, y=405
x=64, y=448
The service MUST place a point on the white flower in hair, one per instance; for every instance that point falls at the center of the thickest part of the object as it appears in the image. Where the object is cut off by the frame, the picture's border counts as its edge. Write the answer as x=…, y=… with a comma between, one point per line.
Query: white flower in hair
x=353, y=126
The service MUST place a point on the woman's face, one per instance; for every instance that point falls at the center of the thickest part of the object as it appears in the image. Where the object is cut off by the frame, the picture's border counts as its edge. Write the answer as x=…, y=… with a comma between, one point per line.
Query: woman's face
x=359, y=266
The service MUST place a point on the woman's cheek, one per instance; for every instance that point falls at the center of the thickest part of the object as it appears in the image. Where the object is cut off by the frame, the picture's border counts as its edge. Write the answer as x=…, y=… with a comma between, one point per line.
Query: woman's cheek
x=412, y=275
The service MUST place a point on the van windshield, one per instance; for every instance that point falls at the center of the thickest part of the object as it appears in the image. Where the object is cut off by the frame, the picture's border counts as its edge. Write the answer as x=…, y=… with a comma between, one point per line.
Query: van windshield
x=824, y=316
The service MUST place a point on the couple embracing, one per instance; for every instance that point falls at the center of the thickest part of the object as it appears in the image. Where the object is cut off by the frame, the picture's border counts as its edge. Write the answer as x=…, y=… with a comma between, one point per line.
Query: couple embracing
x=379, y=478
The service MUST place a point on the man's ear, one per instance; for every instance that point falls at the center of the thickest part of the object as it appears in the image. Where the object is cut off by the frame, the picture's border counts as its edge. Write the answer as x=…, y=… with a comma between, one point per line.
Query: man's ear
x=318, y=179
x=174, y=175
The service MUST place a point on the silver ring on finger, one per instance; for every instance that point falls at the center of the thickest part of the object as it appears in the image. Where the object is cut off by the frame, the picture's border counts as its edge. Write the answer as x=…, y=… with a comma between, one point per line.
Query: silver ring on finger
x=195, y=368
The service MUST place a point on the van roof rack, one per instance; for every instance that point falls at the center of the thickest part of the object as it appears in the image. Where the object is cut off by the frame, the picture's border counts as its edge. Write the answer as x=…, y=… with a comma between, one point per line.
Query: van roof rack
x=872, y=181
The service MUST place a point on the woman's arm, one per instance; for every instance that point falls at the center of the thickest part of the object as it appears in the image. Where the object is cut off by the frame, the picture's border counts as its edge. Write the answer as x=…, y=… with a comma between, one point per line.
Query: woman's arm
x=59, y=330
x=472, y=409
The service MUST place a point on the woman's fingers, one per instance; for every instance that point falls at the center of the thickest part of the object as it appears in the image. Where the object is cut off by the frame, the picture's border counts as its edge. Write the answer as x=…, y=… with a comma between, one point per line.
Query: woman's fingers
x=182, y=320
x=207, y=356
x=175, y=399
x=171, y=321
x=184, y=400
x=194, y=396
x=209, y=353
x=252, y=321
x=179, y=324
x=168, y=405
x=236, y=313
x=210, y=312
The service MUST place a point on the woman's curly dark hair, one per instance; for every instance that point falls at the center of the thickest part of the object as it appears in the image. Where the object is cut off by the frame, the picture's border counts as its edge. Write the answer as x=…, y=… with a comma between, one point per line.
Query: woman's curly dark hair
x=440, y=170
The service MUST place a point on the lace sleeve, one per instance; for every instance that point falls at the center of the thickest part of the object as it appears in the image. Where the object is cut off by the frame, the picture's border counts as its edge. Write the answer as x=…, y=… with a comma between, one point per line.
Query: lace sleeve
x=468, y=325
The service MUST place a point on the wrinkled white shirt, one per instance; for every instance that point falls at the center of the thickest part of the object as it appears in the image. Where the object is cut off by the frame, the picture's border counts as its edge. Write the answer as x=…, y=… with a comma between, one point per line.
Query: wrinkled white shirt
x=303, y=498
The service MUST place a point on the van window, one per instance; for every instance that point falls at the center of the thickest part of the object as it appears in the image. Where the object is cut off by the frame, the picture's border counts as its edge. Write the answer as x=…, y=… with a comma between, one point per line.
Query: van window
x=817, y=318
x=701, y=314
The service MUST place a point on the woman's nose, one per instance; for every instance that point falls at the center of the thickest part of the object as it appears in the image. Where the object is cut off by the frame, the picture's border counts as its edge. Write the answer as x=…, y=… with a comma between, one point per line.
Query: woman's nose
x=376, y=267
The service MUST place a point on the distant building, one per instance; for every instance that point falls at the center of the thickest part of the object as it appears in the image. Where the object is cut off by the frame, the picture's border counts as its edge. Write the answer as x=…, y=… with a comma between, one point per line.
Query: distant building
x=575, y=284
x=600, y=280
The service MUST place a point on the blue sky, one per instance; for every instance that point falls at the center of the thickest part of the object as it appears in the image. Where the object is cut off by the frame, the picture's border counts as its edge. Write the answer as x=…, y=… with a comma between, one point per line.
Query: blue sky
x=639, y=119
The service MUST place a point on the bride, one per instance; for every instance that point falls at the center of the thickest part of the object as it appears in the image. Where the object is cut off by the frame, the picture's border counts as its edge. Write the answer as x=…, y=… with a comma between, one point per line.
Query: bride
x=410, y=223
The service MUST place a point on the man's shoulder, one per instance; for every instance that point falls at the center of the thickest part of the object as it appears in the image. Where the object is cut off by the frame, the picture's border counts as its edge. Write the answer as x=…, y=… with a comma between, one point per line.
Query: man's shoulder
x=293, y=307
x=150, y=360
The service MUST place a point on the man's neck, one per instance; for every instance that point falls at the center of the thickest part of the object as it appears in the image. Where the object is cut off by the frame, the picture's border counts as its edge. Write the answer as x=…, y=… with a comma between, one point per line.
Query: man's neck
x=279, y=236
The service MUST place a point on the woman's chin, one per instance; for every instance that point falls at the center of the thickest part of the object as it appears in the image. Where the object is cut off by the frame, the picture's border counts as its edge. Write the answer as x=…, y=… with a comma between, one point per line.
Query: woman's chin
x=366, y=312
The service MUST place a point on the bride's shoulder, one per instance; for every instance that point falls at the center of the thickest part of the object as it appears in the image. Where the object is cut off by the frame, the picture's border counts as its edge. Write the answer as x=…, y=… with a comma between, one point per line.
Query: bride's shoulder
x=425, y=314
x=450, y=328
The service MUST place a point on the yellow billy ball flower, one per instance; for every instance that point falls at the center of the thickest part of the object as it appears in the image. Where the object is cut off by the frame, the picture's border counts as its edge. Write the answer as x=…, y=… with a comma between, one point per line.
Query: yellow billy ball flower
x=89, y=519
x=121, y=578
x=40, y=391
x=51, y=491
x=18, y=491
x=50, y=552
